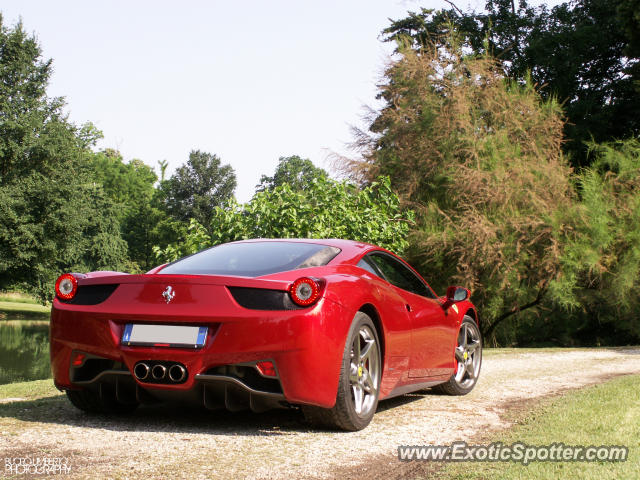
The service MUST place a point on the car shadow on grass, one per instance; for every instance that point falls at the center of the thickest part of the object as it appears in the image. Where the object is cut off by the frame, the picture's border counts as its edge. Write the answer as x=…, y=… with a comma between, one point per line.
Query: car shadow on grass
x=176, y=418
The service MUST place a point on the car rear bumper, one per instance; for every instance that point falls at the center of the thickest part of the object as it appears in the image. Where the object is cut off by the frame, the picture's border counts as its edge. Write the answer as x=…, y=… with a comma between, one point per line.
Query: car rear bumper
x=306, y=347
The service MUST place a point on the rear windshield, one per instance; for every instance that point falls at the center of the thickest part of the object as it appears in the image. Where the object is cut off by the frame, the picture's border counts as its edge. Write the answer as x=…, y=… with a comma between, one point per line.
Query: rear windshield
x=253, y=259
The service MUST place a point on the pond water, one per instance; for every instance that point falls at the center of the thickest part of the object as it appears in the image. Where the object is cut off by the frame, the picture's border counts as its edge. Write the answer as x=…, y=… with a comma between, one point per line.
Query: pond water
x=24, y=350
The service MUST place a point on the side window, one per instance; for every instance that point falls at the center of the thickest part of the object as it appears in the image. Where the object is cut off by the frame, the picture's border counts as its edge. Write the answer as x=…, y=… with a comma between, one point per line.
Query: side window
x=364, y=264
x=399, y=275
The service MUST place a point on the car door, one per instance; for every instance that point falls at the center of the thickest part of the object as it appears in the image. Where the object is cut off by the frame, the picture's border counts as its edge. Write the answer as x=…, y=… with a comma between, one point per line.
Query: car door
x=432, y=330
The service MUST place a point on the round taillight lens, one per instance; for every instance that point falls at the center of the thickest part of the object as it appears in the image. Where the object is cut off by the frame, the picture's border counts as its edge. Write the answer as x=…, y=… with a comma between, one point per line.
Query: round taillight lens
x=304, y=291
x=66, y=286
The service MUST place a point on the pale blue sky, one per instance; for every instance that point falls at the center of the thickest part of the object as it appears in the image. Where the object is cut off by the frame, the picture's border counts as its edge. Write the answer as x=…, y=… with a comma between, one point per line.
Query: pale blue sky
x=249, y=81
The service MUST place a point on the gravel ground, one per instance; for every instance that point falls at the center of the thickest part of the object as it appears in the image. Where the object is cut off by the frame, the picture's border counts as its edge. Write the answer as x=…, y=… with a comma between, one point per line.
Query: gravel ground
x=159, y=442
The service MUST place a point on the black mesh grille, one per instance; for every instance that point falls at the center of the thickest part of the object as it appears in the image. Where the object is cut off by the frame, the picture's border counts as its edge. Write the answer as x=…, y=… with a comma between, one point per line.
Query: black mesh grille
x=91, y=294
x=263, y=299
x=249, y=376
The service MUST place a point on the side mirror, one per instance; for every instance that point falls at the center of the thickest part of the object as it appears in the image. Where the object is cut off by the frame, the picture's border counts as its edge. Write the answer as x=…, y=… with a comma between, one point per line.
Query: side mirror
x=455, y=295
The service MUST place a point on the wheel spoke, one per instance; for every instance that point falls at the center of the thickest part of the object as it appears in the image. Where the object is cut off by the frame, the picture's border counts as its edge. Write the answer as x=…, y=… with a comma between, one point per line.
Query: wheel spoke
x=470, y=370
x=366, y=351
x=460, y=354
x=353, y=374
x=358, y=398
x=473, y=346
x=368, y=385
x=356, y=349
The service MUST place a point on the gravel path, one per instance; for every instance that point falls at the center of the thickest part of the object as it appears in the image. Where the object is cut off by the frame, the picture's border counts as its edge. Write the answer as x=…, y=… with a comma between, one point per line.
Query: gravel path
x=164, y=443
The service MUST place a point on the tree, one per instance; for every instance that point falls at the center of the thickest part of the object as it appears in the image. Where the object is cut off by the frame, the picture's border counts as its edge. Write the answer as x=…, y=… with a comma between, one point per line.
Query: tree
x=143, y=223
x=296, y=172
x=580, y=53
x=163, y=164
x=197, y=187
x=53, y=217
x=601, y=258
x=479, y=159
x=325, y=209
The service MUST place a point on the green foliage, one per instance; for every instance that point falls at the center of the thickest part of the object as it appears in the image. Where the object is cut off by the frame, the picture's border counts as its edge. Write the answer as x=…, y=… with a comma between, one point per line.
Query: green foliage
x=325, y=209
x=197, y=187
x=601, y=259
x=143, y=221
x=583, y=53
x=53, y=217
x=294, y=171
x=480, y=159
x=127, y=184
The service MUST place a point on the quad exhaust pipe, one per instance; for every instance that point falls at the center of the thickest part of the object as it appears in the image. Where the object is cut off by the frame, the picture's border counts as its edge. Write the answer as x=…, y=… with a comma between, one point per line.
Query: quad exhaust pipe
x=141, y=371
x=177, y=373
x=160, y=372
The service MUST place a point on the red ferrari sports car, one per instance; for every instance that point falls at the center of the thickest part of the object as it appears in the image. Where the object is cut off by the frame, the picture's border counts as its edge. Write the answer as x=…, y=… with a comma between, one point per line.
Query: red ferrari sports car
x=331, y=326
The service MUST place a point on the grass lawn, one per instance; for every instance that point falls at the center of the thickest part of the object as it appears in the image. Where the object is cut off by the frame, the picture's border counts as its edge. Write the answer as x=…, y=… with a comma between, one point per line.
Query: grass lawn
x=17, y=297
x=606, y=414
x=23, y=311
x=28, y=390
x=23, y=307
x=16, y=306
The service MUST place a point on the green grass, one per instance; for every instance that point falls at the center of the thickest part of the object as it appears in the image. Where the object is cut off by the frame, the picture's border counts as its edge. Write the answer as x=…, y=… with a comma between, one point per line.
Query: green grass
x=23, y=307
x=29, y=390
x=17, y=297
x=606, y=414
x=18, y=310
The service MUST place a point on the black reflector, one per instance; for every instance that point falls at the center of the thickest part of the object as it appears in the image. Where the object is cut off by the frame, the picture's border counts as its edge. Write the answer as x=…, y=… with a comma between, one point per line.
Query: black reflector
x=262, y=299
x=91, y=294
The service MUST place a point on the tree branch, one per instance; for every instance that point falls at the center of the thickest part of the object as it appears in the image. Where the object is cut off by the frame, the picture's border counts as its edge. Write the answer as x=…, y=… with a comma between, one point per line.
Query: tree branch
x=514, y=310
x=454, y=6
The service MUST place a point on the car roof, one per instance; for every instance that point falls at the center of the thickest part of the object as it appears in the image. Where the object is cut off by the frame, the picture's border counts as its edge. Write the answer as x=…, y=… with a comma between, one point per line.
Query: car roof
x=350, y=249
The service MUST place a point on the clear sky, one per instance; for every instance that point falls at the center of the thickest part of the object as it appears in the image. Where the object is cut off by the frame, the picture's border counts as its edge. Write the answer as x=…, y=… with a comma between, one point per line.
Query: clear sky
x=250, y=81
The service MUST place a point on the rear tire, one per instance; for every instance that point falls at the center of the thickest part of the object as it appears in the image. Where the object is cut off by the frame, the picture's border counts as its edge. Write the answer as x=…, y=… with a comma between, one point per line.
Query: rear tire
x=468, y=356
x=359, y=383
x=90, y=402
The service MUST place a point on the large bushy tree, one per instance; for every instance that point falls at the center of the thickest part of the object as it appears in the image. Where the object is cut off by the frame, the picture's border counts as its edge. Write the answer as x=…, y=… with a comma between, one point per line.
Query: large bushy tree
x=601, y=257
x=584, y=53
x=140, y=213
x=294, y=171
x=479, y=157
x=127, y=184
x=53, y=215
x=197, y=187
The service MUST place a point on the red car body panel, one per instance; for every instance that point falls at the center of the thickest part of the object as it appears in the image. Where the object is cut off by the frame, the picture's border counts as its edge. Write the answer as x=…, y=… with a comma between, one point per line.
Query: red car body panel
x=418, y=336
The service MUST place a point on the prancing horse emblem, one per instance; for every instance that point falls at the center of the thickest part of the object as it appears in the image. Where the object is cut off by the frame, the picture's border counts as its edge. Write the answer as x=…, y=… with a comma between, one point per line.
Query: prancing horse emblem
x=168, y=294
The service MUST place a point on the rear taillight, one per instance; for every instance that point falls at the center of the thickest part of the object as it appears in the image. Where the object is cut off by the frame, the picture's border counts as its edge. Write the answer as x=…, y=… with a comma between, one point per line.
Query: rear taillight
x=66, y=286
x=267, y=368
x=78, y=359
x=304, y=291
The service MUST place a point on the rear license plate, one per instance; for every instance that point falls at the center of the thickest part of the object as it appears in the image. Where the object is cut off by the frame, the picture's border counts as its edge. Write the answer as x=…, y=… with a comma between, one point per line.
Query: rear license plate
x=164, y=335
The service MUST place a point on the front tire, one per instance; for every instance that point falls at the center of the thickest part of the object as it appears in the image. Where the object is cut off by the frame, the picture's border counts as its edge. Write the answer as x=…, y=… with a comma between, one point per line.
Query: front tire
x=468, y=356
x=359, y=383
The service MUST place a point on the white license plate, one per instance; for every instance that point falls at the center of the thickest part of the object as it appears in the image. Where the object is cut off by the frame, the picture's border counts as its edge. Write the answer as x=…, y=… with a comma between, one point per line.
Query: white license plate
x=164, y=335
